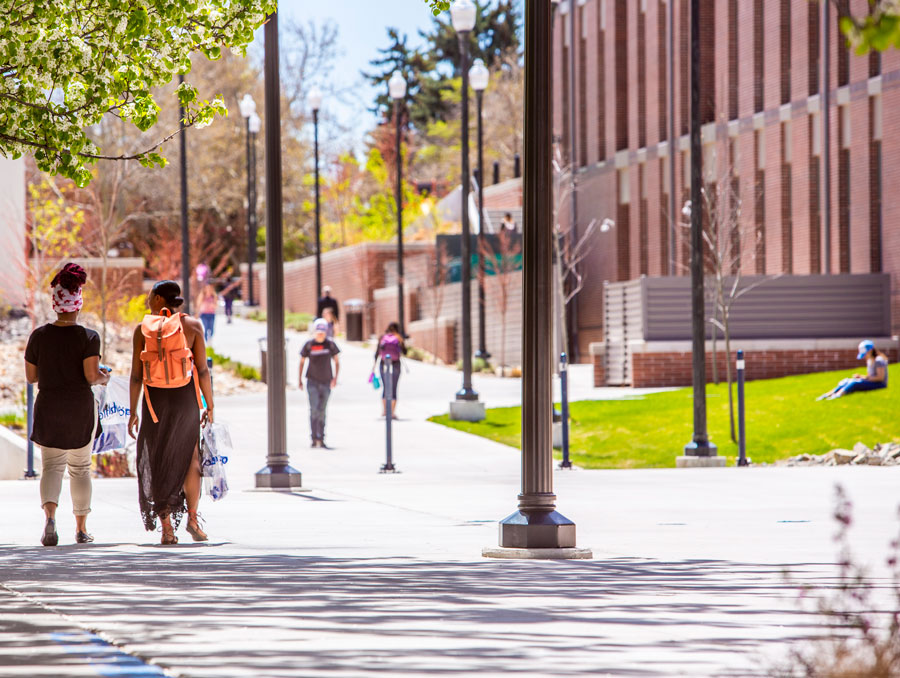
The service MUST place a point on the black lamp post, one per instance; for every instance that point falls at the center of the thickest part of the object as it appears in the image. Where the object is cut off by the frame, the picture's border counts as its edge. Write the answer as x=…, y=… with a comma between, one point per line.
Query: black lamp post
x=248, y=111
x=315, y=102
x=277, y=472
x=397, y=90
x=185, y=243
x=479, y=77
x=537, y=527
x=700, y=446
x=462, y=15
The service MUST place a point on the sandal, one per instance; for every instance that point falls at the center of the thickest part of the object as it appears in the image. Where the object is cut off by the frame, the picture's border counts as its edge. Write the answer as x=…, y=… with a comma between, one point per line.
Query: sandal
x=193, y=527
x=168, y=535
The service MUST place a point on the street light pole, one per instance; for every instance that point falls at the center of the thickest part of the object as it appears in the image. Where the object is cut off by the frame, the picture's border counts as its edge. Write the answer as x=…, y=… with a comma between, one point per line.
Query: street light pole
x=479, y=76
x=536, y=525
x=315, y=100
x=397, y=91
x=248, y=110
x=464, y=10
x=277, y=473
x=700, y=446
x=185, y=238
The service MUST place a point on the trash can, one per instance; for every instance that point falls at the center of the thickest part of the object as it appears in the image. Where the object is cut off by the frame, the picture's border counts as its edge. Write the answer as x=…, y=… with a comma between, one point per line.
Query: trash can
x=353, y=313
x=263, y=367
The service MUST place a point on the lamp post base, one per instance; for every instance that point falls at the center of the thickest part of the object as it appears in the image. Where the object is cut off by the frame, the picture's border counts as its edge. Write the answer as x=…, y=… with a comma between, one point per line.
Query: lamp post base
x=700, y=455
x=484, y=355
x=278, y=478
x=537, y=530
x=536, y=554
x=467, y=410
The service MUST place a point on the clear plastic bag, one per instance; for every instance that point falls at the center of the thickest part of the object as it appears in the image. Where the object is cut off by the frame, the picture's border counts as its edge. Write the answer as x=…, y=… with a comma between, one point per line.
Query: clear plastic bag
x=215, y=448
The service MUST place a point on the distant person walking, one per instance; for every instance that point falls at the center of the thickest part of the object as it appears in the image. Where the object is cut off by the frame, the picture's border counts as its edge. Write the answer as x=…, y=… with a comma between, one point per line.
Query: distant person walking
x=509, y=224
x=328, y=316
x=327, y=301
x=207, y=303
x=228, y=296
x=169, y=365
x=390, y=344
x=320, y=351
x=876, y=375
x=63, y=359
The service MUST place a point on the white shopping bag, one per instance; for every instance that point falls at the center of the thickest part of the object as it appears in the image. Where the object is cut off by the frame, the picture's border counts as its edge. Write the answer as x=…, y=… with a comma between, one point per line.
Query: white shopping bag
x=114, y=408
x=215, y=448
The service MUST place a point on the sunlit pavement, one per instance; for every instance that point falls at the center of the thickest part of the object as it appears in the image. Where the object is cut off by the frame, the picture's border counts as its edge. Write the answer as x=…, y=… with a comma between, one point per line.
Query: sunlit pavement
x=369, y=573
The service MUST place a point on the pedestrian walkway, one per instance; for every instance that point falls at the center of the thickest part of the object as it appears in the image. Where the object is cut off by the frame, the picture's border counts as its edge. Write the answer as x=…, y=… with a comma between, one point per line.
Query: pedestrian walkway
x=380, y=574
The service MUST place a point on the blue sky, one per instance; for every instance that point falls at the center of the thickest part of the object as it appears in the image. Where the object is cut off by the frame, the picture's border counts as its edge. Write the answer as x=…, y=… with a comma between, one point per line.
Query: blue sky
x=362, y=26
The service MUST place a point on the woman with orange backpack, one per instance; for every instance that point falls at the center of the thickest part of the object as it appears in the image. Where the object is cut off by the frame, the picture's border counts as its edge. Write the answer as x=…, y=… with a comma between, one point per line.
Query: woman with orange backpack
x=169, y=366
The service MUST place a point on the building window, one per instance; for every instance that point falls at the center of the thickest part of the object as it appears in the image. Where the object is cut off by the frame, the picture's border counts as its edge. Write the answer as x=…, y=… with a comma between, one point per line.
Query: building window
x=844, y=189
x=843, y=52
x=621, y=45
x=787, y=231
x=684, y=60
x=758, y=54
x=662, y=68
x=815, y=207
x=582, y=91
x=785, y=51
x=664, y=188
x=813, y=31
x=623, y=226
x=643, y=226
x=601, y=80
x=759, y=154
x=875, y=169
x=732, y=60
x=642, y=74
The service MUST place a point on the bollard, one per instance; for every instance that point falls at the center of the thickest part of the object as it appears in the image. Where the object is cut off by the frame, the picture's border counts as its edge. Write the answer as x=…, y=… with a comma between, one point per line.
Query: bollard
x=29, y=418
x=742, y=438
x=564, y=390
x=388, y=466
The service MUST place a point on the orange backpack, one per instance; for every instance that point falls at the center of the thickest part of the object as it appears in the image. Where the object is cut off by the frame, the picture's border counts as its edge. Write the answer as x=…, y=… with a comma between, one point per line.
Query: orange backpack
x=168, y=362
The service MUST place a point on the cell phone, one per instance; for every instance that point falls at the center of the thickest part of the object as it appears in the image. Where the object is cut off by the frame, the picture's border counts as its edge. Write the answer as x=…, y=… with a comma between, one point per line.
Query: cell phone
x=106, y=368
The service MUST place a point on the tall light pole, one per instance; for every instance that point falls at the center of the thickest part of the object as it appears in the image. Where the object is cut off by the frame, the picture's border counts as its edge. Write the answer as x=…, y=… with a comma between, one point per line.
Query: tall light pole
x=537, y=528
x=248, y=111
x=462, y=15
x=315, y=102
x=185, y=238
x=479, y=77
x=397, y=90
x=277, y=472
x=700, y=451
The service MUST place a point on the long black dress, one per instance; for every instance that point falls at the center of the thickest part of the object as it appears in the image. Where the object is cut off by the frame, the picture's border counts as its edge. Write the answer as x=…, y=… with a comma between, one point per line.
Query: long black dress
x=165, y=451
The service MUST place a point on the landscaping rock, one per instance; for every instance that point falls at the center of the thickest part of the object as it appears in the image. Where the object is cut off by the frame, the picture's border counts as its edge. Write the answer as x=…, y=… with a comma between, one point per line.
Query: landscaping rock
x=860, y=448
x=841, y=456
x=873, y=459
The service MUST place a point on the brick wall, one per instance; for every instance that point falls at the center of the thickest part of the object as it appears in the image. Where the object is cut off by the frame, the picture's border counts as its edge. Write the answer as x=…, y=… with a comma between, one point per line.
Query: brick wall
x=352, y=272
x=654, y=366
x=439, y=338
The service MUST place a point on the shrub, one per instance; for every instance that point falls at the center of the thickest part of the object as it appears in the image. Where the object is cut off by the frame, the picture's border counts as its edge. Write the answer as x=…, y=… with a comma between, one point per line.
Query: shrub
x=241, y=370
x=132, y=312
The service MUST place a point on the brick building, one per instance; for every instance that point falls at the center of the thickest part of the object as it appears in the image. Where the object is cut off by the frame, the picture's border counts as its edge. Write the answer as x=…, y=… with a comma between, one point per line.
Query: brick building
x=762, y=112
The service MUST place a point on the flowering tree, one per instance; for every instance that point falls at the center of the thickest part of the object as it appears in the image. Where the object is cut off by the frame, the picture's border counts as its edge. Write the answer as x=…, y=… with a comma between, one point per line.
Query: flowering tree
x=65, y=64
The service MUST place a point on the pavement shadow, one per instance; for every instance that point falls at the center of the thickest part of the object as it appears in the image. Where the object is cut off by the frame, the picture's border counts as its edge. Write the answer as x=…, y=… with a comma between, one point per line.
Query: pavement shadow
x=220, y=613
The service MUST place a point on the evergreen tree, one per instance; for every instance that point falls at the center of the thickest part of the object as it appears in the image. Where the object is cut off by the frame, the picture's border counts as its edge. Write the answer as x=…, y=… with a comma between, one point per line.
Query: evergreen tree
x=496, y=34
x=424, y=85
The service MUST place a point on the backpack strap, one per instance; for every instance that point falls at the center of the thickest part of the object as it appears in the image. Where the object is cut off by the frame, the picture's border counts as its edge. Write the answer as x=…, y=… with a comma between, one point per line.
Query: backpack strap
x=150, y=405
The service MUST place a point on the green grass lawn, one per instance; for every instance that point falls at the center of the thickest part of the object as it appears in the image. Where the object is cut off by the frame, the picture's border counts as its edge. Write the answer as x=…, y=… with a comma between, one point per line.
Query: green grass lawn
x=783, y=420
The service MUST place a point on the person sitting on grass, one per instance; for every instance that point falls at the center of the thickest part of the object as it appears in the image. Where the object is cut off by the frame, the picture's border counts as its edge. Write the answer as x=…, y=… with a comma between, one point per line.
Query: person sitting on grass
x=876, y=375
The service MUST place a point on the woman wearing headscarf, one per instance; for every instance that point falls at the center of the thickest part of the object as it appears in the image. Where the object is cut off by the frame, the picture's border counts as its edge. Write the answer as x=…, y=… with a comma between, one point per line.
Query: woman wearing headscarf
x=63, y=359
x=169, y=366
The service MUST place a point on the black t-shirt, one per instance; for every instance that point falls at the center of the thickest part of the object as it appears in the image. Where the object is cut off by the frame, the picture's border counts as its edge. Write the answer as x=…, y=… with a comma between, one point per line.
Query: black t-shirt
x=64, y=409
x=319, y=355
x=327, y=302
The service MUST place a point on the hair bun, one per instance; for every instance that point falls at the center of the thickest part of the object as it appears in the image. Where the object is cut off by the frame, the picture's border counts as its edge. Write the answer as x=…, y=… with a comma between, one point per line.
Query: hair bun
x=72, y=277
x=177, y=301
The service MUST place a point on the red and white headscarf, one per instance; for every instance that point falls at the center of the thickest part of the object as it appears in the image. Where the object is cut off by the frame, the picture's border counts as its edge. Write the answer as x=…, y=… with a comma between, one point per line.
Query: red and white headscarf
x=64, y=301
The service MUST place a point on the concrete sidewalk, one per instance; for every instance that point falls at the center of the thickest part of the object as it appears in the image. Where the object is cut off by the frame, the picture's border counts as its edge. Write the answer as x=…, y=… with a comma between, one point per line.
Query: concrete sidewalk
x=369, y=574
